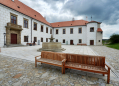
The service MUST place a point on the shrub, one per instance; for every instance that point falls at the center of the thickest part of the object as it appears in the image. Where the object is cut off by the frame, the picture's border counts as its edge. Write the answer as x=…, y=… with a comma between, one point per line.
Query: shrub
x=114, y=38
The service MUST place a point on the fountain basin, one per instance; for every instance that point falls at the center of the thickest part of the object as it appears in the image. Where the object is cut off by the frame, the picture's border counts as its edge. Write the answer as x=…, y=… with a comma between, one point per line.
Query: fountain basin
x=51, y=46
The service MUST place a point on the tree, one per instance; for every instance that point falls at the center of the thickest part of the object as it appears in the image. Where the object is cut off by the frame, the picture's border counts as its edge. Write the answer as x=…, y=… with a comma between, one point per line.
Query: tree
x=114, y=38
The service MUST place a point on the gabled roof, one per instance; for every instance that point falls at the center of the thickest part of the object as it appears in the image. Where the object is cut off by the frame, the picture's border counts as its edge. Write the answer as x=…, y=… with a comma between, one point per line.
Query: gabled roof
x=99, y=30
x=69, y=23
x=22, y=8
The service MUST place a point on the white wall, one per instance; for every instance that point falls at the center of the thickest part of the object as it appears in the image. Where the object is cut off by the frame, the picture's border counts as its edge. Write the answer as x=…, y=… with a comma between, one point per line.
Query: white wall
x=75, y=36
x=86, y=35
x=91, y=35
x=99, y=37
x=5, y=18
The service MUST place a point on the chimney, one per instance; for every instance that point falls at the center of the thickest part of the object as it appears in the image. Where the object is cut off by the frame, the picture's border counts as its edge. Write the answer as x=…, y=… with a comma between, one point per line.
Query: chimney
x=12, y=0
x=72, y=19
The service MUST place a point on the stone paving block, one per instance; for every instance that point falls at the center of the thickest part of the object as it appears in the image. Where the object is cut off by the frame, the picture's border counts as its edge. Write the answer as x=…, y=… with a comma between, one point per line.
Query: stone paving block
x=17, y=75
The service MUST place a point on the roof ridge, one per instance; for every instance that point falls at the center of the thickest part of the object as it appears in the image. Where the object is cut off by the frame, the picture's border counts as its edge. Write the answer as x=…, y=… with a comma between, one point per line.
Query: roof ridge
x=70, y=21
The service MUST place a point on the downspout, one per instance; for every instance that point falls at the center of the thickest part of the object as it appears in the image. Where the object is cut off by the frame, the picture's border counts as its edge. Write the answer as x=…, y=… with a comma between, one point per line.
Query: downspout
x=31, y=31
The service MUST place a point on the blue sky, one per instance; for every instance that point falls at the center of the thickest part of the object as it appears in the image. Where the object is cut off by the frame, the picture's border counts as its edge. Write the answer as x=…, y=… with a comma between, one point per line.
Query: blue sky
x=105, y=11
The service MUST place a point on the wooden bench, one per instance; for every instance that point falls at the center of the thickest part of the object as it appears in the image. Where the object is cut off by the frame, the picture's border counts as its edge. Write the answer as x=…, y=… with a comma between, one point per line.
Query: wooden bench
x=82, y=44
x=30, y=43
x=88, y=63
x=52, y=58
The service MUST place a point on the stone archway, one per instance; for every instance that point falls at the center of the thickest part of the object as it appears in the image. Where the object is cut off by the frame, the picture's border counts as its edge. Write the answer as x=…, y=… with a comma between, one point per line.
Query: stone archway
x=13, y=29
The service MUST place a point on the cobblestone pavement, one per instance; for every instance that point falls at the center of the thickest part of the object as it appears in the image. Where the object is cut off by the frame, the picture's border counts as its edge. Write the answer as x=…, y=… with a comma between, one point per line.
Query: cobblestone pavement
x=19, y=72
x=112, y=56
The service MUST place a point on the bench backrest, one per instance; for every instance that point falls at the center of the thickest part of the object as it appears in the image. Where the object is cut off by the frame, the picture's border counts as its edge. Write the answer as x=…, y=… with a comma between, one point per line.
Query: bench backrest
x=53, y=55
x=86, y=59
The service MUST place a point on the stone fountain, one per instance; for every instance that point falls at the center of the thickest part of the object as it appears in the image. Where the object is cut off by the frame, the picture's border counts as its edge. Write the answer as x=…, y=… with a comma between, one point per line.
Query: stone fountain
x=51, y=46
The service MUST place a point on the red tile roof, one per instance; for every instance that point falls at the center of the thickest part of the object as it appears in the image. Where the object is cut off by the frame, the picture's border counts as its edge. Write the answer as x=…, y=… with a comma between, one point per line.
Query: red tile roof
x=94, y=22
x=99, y=30
x=24, y=9
x=69, y=23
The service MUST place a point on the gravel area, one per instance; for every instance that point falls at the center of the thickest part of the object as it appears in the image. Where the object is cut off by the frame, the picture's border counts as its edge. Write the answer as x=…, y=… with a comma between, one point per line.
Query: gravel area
x=19, y=72
x=112, y=56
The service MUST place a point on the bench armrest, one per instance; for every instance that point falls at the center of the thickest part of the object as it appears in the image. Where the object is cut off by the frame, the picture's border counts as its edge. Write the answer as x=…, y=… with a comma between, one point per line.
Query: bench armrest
x=37, y=56
x=107, y=66
x=64, y=60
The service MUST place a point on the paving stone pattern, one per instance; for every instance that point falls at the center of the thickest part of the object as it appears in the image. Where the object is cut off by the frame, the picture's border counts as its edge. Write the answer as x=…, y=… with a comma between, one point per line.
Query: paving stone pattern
x=112, y=55
x=19, y=72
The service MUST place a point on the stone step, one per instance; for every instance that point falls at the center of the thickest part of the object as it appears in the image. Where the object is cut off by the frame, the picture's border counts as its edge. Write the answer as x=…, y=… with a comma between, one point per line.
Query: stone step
x=15, y=45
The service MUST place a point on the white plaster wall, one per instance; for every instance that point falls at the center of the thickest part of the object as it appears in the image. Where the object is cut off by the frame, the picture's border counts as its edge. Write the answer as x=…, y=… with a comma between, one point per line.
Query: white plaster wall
x=99, y=37
x=91, y=35
x=5, y=18
x=75, y=36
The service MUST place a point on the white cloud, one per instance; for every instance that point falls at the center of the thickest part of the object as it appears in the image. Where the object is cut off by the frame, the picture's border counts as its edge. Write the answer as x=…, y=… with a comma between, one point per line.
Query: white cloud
x=53, y=11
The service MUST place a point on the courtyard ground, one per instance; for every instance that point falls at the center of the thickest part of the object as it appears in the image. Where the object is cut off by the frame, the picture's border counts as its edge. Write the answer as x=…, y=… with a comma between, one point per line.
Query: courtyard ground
x=17, y=69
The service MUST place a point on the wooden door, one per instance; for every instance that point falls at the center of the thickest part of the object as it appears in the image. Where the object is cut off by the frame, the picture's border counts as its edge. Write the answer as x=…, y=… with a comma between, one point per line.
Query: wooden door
x=71, y=42
x=91, y=42
x=13, y=38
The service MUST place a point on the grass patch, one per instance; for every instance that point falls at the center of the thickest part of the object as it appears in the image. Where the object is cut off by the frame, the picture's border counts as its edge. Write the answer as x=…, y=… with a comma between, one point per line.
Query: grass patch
x=115, y=46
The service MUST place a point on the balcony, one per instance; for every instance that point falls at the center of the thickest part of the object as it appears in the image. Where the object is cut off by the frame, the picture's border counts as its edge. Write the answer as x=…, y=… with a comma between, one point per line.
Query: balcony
x=14, y=26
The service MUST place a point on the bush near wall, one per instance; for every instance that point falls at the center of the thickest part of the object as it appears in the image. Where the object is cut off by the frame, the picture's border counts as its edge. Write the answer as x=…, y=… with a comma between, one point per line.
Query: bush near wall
x=114, y=38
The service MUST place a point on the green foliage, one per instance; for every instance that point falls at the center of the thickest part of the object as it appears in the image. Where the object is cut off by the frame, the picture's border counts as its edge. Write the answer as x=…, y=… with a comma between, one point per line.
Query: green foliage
x=115, y=46
x=114, y=38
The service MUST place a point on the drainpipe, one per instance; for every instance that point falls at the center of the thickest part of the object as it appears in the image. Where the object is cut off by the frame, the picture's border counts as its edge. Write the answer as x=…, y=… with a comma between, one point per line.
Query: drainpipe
x=31, y=31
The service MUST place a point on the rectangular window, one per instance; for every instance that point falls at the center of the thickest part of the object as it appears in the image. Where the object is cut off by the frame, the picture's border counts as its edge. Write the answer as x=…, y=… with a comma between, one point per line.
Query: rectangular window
x=80, y=40
x=56, y=31
x=46, y=39
x=92, y=29
x=41, y=28
x=46, y=29
x=64, y=31
x=50, y=31
x=25, y=38
x=25, y=23
x=35, y=26
x=35, y=39
x=71, y=30
x=13, y=19
x=80, y=30
x=56, y=40
x=41, y=39
x=63, y=40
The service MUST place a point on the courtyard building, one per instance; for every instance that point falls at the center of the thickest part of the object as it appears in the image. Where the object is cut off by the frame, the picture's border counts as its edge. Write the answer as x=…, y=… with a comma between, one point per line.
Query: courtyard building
x=20, y=24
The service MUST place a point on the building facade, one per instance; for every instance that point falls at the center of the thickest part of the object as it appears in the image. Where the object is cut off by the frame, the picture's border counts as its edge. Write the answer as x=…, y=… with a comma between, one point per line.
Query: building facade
x=23, y=25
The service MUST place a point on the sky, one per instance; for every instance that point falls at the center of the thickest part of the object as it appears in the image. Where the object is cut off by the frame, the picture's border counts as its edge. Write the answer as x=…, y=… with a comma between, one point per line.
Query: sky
x=105, y=11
